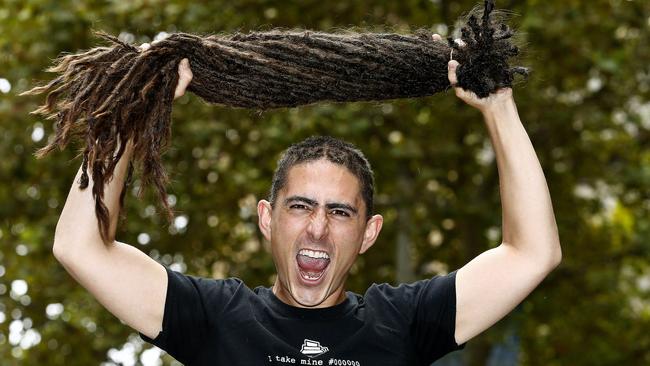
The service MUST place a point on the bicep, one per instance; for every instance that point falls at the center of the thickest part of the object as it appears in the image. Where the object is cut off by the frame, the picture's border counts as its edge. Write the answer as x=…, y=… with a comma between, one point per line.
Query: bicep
x=126, y=281
x=490, y=286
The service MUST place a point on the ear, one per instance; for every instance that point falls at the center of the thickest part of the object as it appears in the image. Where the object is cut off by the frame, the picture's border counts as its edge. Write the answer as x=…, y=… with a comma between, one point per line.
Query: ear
x=373, y=227
x=264, y=211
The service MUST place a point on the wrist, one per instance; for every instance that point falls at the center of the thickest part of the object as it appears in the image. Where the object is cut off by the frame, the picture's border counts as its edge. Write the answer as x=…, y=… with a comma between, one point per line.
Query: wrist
x=500, y=110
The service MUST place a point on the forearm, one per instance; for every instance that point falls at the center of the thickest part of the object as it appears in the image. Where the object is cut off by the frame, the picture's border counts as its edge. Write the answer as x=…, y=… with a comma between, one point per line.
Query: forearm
x=78, y=224
x=126, y=281
x=528, y=220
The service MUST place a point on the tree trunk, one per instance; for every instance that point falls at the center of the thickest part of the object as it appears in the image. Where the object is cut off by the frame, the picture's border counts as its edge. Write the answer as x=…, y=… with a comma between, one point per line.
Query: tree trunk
x=403, y=250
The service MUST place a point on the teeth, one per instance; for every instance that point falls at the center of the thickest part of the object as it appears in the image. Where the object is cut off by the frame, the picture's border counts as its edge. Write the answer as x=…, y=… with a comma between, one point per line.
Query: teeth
x=314, y=254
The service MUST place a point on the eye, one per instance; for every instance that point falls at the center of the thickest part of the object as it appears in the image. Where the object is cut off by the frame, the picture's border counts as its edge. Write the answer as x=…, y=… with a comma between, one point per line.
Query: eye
x=340, y=213
x=298, y=206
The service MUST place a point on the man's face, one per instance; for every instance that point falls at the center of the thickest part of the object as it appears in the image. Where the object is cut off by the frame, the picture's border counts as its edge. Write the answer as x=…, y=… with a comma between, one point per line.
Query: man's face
x=317, y=228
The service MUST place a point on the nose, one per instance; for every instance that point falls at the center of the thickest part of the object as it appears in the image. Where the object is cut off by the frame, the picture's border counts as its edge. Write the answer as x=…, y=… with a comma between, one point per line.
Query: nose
x=318, y=225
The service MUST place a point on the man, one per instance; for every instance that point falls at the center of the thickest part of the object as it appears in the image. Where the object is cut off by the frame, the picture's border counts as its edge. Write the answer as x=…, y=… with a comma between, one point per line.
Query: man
x=318, y=220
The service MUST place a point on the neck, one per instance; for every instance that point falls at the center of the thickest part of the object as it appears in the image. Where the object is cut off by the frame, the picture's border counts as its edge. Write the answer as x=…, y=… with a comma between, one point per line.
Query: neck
x=284, y=295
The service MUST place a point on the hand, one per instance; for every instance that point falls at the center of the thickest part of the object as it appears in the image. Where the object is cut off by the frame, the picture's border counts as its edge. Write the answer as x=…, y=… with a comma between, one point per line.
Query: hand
x=495, y=100
x=184, y=73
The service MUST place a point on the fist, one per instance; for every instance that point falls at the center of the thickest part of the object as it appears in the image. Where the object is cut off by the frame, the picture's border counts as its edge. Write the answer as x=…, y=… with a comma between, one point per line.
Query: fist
x=494, y=100
x=184, y=73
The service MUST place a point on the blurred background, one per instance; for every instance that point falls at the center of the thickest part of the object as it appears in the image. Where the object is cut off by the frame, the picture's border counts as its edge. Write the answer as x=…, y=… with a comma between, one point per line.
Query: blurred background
x=586, y=108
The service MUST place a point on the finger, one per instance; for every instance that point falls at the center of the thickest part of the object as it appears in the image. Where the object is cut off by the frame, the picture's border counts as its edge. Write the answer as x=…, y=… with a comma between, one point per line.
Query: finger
x=452, y=66
x=436, y=37
x=184, y=78
x=464, y=94
x=184, y=70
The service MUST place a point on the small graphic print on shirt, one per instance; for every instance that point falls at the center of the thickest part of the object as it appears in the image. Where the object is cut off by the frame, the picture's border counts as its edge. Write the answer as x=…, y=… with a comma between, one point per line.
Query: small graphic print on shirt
x=312, y=348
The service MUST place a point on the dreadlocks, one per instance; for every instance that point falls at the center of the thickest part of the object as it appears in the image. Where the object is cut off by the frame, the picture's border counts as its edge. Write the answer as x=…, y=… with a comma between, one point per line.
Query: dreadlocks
x=109, y=95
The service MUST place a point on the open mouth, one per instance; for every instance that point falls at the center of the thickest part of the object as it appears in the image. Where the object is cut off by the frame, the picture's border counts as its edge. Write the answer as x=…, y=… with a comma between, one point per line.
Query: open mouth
x=312, y=264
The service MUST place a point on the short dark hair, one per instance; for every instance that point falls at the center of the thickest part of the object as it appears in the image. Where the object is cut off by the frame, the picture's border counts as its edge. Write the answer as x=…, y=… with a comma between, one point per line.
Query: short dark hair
x=333, y=150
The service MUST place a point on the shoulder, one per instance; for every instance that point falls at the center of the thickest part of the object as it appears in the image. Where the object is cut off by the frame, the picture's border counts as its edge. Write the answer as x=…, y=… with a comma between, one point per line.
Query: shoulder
x=203, y=286
x=438, y=285
x=406, y=297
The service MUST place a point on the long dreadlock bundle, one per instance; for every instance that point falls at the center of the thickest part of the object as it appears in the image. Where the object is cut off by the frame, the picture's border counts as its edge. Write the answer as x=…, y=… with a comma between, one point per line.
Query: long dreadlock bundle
x=109, y=95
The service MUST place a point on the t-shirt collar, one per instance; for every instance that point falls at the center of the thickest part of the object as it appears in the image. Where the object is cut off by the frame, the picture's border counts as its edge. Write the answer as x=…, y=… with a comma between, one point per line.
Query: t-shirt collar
x=332, y=312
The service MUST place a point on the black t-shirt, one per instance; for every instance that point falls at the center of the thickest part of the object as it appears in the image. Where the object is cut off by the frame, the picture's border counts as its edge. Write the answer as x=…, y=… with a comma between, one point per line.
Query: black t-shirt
x=223, y=322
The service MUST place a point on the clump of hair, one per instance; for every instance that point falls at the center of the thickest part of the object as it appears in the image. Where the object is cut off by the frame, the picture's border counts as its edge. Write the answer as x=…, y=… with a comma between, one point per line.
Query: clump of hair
x=107, y=96
x=484, y=56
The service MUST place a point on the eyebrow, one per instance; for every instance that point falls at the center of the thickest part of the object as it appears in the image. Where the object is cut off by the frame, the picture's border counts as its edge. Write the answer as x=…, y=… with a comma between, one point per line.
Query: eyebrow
x=311, y=202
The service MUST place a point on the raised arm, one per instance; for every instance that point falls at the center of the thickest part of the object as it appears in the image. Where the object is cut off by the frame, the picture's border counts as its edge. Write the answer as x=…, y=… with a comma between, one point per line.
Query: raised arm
x=123, y=279
x=492, y=284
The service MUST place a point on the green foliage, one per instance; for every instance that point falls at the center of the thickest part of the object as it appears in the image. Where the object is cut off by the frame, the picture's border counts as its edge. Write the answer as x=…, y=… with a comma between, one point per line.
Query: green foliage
x=586, y=108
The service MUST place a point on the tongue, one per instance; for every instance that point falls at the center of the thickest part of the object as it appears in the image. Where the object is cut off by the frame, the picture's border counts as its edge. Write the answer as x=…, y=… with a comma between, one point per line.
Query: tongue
x=312, y=264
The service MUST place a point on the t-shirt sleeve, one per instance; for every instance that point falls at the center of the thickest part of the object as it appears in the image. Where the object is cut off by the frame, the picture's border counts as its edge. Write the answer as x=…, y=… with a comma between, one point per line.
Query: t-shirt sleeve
x=434, y=322
x=425, y=309
x=192, y=308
